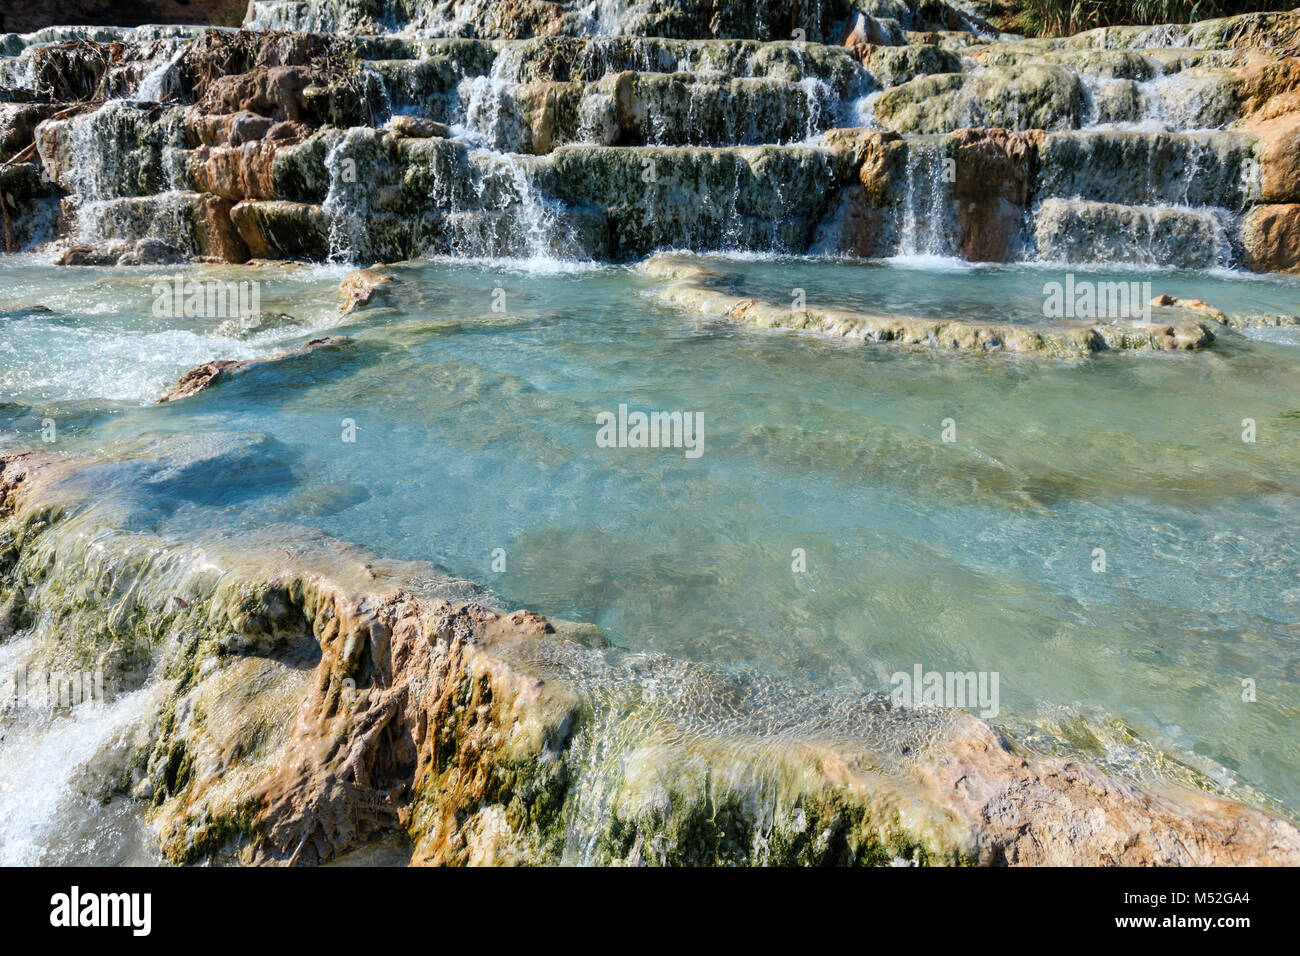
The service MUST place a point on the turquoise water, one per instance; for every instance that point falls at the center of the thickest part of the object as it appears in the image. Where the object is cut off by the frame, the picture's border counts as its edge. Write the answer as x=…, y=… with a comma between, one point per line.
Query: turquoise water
x=476, y=430
x=933, y=287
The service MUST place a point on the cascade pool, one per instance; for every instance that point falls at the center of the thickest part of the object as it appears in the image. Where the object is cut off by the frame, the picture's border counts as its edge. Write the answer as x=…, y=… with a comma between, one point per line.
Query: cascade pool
x=828, y=534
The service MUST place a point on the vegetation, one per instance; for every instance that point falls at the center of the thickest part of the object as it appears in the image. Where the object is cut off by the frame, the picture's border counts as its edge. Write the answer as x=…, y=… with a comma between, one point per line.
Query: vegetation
x=1064, y=17
x=230, y=15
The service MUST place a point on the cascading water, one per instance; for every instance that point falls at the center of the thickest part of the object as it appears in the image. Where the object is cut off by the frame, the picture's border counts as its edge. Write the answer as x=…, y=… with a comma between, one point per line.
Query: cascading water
x=125, y=166
x=346, y=204
x=924, y=211
x=164, y=77
x=490, y=118
x=1182, y=101
x=524, y=223
x=51, y=808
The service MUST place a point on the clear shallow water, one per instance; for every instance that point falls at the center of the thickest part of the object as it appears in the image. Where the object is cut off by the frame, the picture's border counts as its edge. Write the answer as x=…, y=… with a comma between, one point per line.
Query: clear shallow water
x=476, y=431
x=936, y=287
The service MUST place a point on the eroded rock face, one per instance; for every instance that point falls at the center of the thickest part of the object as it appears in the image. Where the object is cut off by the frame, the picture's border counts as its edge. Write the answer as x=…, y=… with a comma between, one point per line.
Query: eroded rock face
x=304, y=710
x=1082, y=231
x=1279, y=157
x=235, y=173
x=776, y=196
x=1270, y=238
x=18, y=123
x=282, y=230
x=863, y=223
x=1204, y=169
x=1021, y=98
x=993, y=180
x=444, y=130
x=762, y=19
x=417, y=128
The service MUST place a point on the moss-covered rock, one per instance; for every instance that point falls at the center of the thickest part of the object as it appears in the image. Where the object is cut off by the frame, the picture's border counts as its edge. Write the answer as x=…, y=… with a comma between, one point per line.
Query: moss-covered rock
x=282, y=230
x=1083, y=231
x=1021, y=98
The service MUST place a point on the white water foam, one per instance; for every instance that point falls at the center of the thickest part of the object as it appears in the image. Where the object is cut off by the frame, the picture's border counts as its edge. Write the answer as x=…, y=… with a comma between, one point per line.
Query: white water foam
x=48, y=812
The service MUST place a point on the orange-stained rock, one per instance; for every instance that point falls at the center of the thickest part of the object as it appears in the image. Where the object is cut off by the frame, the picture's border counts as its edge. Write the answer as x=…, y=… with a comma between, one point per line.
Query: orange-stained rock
x=877, y=155
x=1268, y=87
x=235, y=172
x=215, y=232
x=993, y=176
x=1270, y=238
x=417, y=127
x=324, y=702
x=277, y=229
x=1279, y=157
x=1166, y=301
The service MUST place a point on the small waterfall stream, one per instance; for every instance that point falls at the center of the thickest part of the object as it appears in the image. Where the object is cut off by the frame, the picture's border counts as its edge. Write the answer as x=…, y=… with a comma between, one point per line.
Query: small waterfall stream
x=925, y=211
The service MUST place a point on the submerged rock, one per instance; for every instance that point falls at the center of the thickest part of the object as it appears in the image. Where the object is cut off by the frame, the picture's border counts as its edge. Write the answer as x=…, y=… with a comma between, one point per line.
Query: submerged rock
x=688, y=286
x=247, y=326
x=121, y=253
x=1198, y=306
x=210, y=373
x=359, y=288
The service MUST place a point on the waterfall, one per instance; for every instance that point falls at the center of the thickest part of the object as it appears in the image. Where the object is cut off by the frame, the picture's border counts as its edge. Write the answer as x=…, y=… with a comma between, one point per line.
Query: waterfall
x=819, y=102
x=50, y=812
x=124, y=169
x=1088, y=232
x=490, y=118
x=1191, y=100
x=511, y=103
x=607, y=17
x=346, y=204
x=926, y=208
x=530, y=226
x=862, y=111
x=165, y=75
